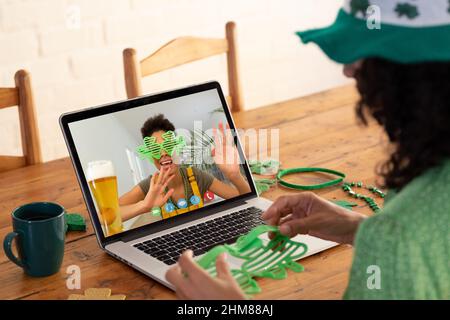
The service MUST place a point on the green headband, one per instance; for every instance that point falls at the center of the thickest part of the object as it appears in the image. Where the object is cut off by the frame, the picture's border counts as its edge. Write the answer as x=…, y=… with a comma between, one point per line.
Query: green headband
x=152, y=150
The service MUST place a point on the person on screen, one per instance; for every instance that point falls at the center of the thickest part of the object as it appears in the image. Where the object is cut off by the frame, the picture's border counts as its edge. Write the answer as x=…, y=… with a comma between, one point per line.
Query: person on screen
x=176, y=190
x=402, y=74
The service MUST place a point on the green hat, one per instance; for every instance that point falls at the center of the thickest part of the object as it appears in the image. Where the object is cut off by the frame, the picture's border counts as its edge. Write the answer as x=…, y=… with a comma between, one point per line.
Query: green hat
x=401, y=31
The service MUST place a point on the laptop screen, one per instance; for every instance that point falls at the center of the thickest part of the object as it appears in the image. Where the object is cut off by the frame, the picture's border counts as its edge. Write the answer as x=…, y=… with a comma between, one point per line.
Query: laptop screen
x=156, y=161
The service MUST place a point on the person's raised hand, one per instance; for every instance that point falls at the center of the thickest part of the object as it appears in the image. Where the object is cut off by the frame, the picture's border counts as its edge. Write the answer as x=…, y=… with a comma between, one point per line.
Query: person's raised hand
x=156, y=196
x=225, y=154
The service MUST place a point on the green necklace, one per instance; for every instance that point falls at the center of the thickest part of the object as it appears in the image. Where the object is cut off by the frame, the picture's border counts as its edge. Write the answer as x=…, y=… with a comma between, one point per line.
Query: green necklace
x=156, y=211
x=185, y=186
x=347, y=187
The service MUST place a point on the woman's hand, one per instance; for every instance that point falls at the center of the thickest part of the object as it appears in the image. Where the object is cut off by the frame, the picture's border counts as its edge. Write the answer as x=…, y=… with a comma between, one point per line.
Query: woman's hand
x=225, y=154
x=193, y=282
x=156, y=196
x=307, y=213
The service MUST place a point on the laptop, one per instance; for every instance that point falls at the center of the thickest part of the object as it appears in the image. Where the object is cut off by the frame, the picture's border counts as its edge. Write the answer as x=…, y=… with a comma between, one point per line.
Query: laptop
x=121, y=151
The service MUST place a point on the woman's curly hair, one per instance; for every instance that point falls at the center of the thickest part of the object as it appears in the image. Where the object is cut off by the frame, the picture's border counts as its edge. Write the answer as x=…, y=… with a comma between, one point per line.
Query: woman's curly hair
x=156, y=123
x=412, y=103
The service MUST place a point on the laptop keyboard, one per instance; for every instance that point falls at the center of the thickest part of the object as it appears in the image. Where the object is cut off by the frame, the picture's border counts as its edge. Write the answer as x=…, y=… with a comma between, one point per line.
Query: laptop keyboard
x=202, y=237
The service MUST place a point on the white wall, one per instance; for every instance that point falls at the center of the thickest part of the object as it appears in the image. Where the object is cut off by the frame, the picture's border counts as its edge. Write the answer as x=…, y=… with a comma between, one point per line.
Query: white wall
x=105, y=138
x=77, y=67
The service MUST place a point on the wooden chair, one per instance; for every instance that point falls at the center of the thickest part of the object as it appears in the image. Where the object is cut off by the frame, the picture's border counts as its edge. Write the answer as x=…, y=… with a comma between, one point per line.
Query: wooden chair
x=22, y=97
x=184, y=50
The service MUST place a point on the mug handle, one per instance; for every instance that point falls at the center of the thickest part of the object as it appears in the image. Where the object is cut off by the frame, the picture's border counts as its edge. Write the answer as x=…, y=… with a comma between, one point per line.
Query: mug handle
x=7, y=242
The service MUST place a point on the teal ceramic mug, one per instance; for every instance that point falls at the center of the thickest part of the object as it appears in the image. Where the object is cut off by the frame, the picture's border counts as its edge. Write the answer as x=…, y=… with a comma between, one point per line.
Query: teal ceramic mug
x=39, y=229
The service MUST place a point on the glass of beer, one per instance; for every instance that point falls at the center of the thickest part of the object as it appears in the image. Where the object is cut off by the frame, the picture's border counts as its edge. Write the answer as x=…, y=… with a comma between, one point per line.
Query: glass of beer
x=103, y=184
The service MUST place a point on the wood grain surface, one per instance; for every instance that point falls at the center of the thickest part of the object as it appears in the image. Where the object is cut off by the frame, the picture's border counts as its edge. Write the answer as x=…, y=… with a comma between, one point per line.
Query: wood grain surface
x=318, y=130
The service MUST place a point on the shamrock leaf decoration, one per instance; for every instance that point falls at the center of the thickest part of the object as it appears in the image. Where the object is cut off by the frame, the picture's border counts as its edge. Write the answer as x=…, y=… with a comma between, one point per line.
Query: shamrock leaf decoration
x=152, y=150
x=259, y=259
x=263, y=185
x=268, y=167
x=359, y=6
x=97, y=294
x=172, y=143
x=406, y=9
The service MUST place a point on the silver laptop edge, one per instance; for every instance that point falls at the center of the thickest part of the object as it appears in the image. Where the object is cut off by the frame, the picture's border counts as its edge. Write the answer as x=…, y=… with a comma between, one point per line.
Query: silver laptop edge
x=155, y=269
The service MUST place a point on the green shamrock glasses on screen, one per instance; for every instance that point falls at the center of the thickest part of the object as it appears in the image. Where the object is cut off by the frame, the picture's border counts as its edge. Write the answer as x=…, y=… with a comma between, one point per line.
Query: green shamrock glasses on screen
x=152, y=150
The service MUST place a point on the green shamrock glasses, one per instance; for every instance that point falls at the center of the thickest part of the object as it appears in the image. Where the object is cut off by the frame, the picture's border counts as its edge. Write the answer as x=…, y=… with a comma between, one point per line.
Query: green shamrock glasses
x=152, y=150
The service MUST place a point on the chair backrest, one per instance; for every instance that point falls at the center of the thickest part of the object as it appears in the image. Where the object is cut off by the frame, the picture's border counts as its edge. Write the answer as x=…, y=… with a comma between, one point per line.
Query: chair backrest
x=22, y=97
x=184, y=50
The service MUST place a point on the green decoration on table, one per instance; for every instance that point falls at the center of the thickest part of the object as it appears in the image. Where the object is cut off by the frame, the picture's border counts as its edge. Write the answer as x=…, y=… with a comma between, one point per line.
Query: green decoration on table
x=408, y=10
x=282, y=173
x=152, y=150
x=268, y=167
x=263, y=185
x=345, y=204
x=259, y=260
x=347, y=187
x=75, y=222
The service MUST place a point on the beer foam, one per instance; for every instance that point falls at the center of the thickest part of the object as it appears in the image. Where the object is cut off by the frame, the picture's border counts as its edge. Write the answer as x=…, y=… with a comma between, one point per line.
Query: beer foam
x=100, y=169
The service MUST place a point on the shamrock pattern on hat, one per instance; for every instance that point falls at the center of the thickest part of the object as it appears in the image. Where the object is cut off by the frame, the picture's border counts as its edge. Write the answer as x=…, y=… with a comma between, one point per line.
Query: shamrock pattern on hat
x=406, y=9
x=407, y=13
x=359, y=6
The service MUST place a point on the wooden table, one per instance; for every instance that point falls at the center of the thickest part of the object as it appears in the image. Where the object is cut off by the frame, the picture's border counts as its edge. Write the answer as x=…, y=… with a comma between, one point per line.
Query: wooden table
x=317, y=130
